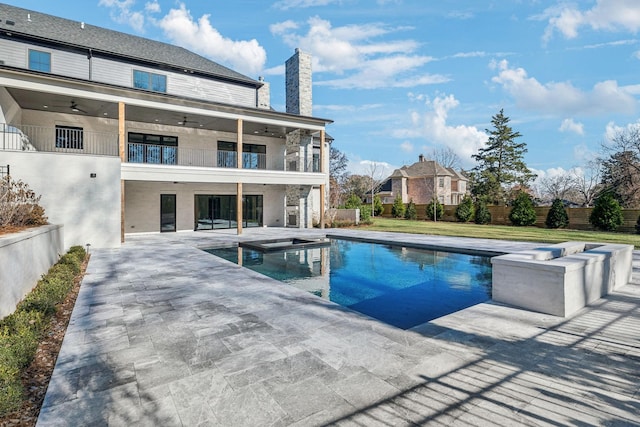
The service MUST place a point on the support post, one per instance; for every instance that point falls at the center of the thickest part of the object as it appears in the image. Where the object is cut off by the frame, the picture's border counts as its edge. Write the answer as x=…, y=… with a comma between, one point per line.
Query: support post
x=121, y=152
x=239, y=213
x=323, y=208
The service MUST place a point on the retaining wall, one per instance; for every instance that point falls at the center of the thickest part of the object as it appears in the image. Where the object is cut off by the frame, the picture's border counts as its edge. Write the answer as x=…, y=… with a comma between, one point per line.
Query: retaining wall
x=24, y=258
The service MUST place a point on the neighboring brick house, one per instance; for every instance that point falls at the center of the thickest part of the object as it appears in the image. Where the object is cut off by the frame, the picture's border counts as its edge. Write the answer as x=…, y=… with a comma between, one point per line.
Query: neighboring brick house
x=421, y=180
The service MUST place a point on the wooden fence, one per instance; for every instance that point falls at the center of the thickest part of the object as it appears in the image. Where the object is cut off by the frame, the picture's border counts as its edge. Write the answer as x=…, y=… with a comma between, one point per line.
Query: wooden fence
x=578, y=217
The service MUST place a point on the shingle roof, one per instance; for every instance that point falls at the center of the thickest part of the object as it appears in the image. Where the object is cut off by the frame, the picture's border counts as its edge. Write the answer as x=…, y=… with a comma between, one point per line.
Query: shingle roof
x=421, y=169
x=54, y=29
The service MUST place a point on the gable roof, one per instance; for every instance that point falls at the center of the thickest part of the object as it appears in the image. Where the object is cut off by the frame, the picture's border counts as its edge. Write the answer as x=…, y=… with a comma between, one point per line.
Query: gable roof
x=421, y=169
x=52, y=29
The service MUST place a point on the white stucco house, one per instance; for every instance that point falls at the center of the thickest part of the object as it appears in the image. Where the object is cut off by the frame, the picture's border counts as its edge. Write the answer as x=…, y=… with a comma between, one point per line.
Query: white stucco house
x=122, y=134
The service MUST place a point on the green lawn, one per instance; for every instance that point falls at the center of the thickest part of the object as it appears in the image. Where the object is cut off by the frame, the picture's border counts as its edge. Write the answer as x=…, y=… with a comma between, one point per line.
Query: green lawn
x=504, y=232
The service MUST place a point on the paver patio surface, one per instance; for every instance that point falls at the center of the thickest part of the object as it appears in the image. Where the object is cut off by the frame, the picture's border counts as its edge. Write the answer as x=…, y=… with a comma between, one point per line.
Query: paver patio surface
x=166, y=334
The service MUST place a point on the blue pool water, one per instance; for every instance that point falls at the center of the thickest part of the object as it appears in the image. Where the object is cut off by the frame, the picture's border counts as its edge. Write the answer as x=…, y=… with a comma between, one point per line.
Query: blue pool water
x=400, y=286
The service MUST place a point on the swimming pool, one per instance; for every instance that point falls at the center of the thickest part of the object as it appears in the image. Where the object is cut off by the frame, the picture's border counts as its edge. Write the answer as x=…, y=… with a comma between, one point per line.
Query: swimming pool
x=401, y=286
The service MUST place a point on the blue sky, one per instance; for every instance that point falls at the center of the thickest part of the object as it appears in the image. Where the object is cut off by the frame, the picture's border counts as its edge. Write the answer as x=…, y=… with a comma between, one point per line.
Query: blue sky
x=405, y=77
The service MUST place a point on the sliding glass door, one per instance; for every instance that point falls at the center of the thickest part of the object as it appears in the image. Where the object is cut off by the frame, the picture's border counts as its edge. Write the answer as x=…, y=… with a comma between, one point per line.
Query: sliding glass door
x=214, y=212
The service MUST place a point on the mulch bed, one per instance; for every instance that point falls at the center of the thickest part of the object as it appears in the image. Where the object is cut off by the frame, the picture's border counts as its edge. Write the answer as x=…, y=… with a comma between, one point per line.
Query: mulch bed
x=36, y=378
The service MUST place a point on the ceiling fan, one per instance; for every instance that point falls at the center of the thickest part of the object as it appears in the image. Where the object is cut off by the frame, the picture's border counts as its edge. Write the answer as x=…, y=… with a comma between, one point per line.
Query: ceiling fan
x=74, y=107
x=184, y=121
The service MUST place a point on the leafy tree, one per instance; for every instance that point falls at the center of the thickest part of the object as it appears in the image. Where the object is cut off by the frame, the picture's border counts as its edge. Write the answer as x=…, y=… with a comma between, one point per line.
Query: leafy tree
x=500, y=164
x=607, y=213
x=557, y=216
x=465, y=210
x=378, y=207
x=411, y=212
x=483, y=216
x=439, y=209
x=365, y=214
x=398, y=209
x=522, y=211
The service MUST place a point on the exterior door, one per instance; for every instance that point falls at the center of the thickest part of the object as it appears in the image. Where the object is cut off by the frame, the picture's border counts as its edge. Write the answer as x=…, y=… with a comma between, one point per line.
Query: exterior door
x=167, y=212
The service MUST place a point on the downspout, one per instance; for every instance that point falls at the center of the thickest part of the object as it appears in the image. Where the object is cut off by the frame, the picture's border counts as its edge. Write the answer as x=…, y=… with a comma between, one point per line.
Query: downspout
x=90, y=58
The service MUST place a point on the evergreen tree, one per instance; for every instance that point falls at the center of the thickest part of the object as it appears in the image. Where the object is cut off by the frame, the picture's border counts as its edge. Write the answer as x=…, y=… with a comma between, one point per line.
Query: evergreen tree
x=557, y=216
x=465, y=210
x=500, y=163
x=378, y=208
x=522, y=211
x=397, y=210
x=411, y=212
x=483, y=216
x=607, y=213
x=439, y=209
x=353, y=202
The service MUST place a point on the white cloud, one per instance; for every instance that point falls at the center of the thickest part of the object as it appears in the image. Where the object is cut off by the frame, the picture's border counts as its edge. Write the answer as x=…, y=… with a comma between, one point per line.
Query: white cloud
x=245, y=56
x=568, y=125
x=612, y=129
x=407, y=147
x=152, y=7
x=289, y=4
x=121, y=12
x=432, y=126
x=563, y=97
x=356, y=57
x=359, y=166
x=609, y=15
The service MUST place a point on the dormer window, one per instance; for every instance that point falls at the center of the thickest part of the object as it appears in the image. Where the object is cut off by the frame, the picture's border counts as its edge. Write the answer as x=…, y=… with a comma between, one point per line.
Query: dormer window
x=39, y=61
x=149, y=81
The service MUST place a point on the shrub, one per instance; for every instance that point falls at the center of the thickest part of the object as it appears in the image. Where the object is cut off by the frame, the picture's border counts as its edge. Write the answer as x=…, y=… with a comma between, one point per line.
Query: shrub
x=378, y=208
x=398, y=209
x=607, y=213
x=557, y=216
x=439, y=209
x=465, y=210
x=638, y=225
x=365, y=214
x=20, y=332
x=411, y=212
x=522, y=211
x=353, y=202
x=19, y=205
x=483, y=216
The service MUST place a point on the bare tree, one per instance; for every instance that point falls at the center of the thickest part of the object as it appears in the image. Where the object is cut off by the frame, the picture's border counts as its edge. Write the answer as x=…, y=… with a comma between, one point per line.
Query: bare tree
x=375, y=175
x=445, y=157
x=587, y=181
x=558, y=187
x=621, y=166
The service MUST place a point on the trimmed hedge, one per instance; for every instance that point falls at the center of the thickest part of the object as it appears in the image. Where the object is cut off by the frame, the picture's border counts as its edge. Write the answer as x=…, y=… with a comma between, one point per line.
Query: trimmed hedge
x=21, y=331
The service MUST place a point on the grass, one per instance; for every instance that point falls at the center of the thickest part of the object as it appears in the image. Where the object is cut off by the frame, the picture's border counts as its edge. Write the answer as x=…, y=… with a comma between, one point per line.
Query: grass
x=502, y=232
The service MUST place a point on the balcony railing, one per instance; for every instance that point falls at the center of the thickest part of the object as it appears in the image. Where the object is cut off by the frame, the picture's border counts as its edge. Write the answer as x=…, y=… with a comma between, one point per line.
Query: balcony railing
x=64, y=139
x=57, y=140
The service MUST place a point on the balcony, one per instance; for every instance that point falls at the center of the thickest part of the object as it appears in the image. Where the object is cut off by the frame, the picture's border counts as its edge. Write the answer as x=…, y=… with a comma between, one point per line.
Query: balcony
x=75, y=140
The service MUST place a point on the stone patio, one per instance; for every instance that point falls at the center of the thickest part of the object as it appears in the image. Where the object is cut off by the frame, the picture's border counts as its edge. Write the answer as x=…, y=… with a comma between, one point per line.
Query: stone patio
x=165, y=334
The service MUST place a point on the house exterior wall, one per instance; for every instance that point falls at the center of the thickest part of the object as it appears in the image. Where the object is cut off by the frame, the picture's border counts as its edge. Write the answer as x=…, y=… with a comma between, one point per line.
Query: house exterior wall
x=88, y=207
x=142, y=202
x=104, y=70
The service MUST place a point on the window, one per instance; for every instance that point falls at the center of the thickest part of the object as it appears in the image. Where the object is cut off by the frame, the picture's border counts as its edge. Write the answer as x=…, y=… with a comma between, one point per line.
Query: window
x=39, y=61
x=69, y=137
x=254, y=156
x=147, y=148
x=149, y=81
x=440, y=182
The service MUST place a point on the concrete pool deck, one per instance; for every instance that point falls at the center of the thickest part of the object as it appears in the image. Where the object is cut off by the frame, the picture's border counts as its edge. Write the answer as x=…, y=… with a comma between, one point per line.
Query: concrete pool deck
x=165, y=334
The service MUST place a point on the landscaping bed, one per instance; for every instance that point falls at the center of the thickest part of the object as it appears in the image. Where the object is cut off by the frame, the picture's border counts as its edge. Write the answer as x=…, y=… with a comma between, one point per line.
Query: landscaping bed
x=31, y=337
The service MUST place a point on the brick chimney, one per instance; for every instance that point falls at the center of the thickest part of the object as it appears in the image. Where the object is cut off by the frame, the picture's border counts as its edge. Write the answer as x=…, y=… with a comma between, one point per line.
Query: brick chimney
x=298, y=82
